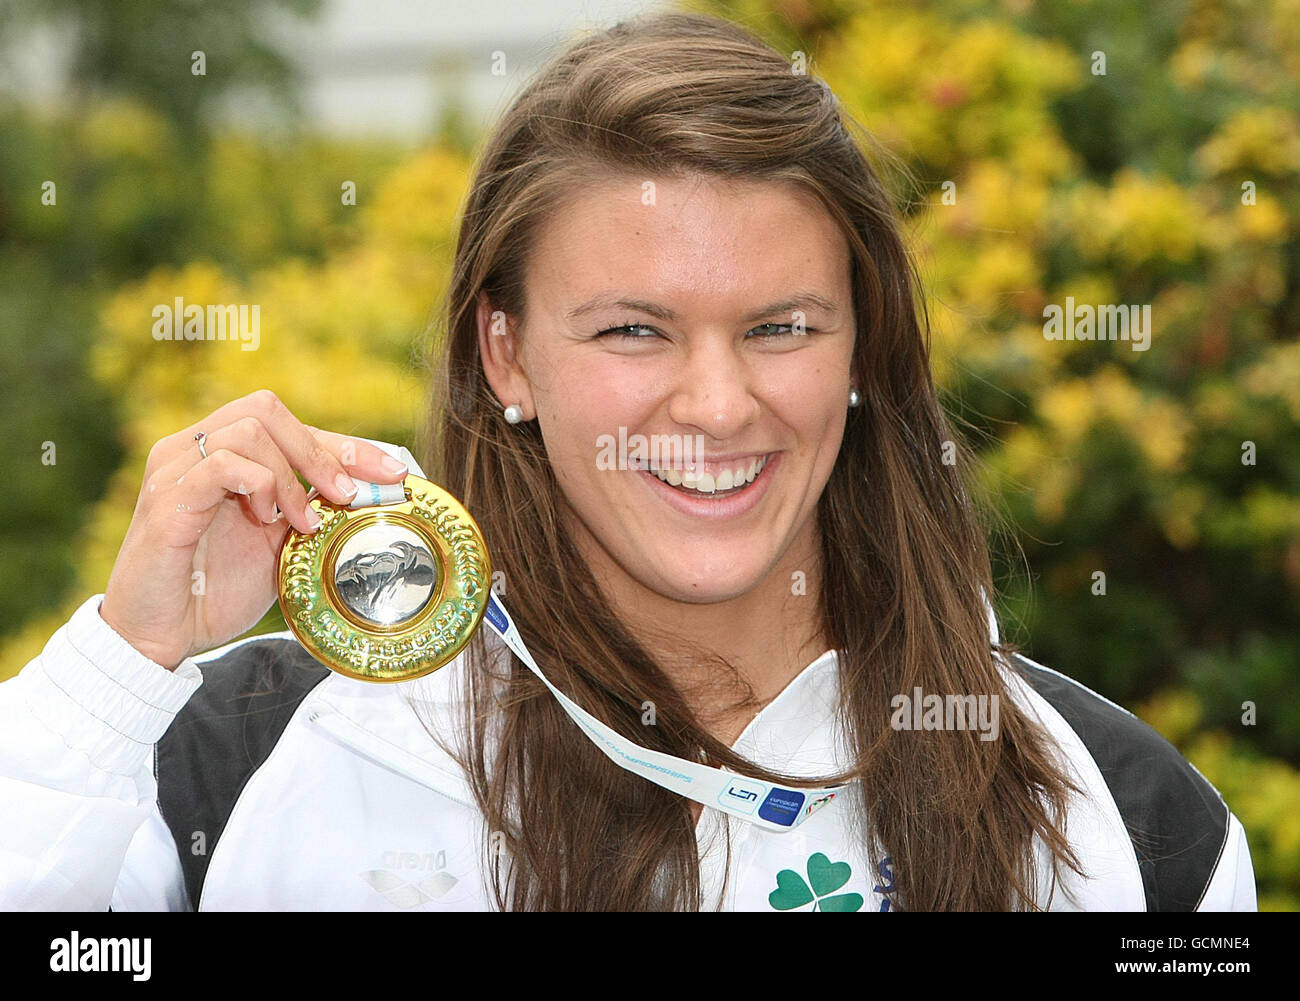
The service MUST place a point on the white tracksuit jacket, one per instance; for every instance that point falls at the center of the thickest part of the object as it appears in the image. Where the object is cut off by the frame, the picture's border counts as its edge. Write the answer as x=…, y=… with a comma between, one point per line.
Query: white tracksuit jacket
x=252, y=778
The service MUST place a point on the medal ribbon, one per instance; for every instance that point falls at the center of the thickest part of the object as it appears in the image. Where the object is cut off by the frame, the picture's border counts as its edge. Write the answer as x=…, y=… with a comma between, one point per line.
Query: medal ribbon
x=753, y=800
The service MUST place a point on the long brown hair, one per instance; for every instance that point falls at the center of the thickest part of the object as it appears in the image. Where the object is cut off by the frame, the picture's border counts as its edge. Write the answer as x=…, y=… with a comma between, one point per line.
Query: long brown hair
x=903, y=538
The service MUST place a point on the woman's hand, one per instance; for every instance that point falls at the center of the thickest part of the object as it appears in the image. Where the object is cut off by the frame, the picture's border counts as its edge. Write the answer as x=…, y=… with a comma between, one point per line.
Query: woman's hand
x=197, y=566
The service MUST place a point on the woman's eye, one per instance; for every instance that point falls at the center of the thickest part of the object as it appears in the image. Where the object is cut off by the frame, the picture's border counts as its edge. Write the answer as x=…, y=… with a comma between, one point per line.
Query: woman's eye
x=773, y=329
x=779, y=331
x=627, y=330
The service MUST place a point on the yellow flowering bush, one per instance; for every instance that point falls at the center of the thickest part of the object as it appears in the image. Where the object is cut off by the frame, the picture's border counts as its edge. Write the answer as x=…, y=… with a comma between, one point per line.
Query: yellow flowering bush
x=1164, y=174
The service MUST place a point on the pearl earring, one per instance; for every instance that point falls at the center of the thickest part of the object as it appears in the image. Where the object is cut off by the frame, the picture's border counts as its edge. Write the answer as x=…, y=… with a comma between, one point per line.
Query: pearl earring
x=514, y=414
x=854, y=397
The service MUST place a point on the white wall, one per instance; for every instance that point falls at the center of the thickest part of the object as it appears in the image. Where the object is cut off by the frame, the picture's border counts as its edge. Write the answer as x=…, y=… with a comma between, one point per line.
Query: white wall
x=383, y=66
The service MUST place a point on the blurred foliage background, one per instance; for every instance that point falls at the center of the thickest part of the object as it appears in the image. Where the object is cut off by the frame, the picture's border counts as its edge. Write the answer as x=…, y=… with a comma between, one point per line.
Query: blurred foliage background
x=1123, y=187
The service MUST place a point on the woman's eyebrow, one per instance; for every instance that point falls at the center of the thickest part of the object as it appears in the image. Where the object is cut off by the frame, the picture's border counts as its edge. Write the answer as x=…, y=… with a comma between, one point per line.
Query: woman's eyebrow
x=800, y=300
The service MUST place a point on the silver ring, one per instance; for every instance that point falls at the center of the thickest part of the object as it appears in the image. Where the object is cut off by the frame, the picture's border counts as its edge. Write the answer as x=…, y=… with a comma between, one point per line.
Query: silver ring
x=198, y=440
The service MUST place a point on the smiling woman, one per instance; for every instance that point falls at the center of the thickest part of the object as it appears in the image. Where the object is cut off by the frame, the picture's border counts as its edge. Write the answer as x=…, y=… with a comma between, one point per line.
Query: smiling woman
x=672, y=234
x=672, y=243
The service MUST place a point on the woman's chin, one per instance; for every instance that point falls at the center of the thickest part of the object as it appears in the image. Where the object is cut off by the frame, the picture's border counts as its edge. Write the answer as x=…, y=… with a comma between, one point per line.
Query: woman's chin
x=702, y=585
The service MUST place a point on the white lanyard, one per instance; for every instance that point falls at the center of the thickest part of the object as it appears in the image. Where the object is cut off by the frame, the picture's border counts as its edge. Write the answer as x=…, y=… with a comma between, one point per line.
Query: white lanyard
x=753, y=800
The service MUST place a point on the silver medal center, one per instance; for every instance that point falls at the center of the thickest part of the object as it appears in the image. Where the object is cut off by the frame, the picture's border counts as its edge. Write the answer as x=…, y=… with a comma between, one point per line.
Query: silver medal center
x=385, y=574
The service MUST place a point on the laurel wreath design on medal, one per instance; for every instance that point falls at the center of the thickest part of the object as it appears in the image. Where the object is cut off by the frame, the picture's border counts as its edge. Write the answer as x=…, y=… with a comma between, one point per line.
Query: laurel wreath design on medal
x=386, y=593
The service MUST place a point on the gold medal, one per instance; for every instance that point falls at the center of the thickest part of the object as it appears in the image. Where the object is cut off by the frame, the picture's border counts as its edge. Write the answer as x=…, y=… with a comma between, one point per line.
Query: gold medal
x=386, y=592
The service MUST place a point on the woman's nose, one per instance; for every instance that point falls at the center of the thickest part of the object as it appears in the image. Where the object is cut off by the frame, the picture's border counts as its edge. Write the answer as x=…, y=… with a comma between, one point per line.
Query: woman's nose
x=713, y=392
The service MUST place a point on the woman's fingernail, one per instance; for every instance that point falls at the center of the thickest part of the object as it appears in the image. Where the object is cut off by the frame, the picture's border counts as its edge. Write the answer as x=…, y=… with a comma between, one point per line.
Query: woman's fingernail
x=392, y=466
x=347, y=486
x=313, y=520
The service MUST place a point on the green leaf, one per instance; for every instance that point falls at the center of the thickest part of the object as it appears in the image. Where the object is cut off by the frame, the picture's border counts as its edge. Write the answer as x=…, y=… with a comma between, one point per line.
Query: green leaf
x=842, y=902
x=825, y=876
x=791, y=891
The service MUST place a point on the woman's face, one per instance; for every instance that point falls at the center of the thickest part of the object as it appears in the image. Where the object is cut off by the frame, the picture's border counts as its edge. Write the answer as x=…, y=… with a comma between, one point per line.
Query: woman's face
x=732, y=303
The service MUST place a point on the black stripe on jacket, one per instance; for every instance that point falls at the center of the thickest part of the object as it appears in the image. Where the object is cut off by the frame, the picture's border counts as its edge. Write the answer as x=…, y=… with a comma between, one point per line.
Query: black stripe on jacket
x=1177, y=821
x=222, y=736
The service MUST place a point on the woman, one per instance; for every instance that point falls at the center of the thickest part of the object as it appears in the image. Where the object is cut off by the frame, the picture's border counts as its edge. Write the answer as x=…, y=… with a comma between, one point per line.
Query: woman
x=670, y=234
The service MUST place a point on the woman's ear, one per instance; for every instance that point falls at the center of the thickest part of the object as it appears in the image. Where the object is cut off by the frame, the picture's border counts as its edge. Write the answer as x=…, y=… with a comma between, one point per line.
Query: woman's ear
x=498, y=344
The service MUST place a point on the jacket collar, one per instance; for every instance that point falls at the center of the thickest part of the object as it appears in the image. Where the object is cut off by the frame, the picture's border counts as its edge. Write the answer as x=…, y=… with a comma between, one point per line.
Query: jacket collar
x=384, y=723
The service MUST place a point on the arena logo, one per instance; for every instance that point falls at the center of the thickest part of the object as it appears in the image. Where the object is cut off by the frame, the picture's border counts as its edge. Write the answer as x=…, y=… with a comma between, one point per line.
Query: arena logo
x=656, y=451
x=1104, y=323
x=75, y=954
x=179, y=322
x=946, y=712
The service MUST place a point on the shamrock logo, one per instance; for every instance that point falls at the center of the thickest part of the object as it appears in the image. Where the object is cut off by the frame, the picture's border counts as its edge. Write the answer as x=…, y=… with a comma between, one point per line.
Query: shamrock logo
x=824, y=877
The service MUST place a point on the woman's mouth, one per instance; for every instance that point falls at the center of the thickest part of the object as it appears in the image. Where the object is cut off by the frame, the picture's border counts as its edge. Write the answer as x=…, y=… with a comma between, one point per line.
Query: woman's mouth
x=730, y=479
x=712, y=489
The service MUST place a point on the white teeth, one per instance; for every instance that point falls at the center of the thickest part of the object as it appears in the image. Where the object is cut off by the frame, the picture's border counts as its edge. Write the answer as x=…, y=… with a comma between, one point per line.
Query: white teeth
x=707, y=483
